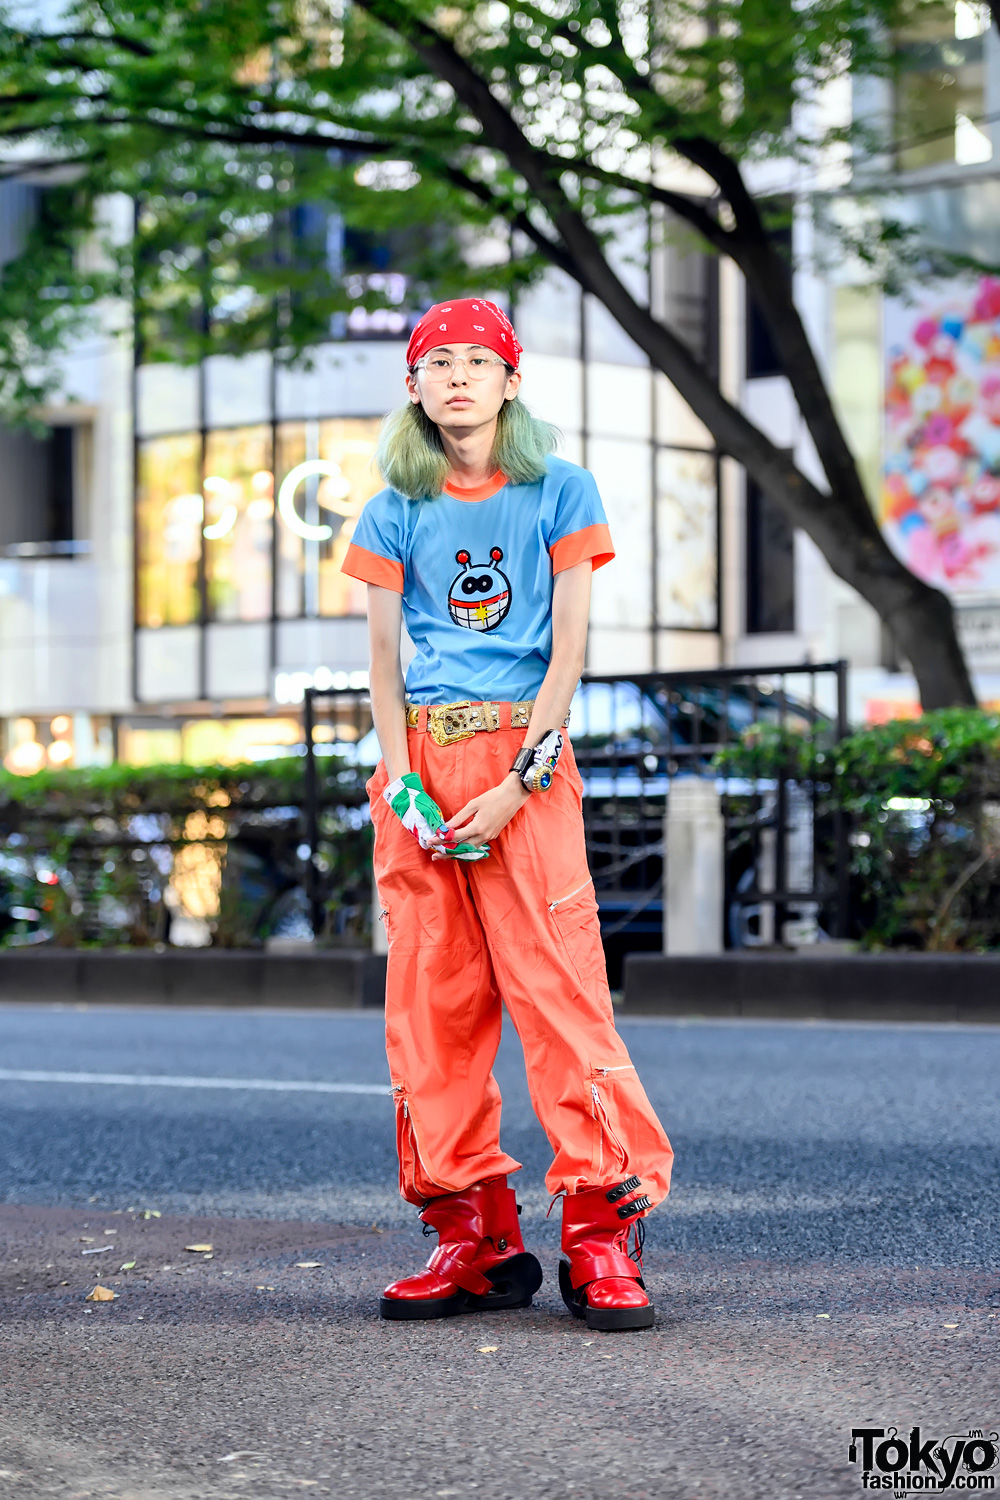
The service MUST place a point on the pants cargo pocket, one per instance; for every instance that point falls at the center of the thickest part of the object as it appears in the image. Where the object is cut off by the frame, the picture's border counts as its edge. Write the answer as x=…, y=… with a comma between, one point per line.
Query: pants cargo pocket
x=577, y=928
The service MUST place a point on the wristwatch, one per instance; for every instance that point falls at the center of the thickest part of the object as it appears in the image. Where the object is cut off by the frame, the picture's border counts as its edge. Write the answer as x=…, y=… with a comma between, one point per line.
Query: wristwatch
x=537, y=778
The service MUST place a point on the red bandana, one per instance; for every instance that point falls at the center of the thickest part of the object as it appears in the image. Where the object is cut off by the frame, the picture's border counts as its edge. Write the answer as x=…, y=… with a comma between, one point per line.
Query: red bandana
x=469, y=320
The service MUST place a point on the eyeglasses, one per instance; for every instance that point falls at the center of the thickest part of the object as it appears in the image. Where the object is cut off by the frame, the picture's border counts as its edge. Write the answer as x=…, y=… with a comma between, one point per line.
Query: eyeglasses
x=441, y=366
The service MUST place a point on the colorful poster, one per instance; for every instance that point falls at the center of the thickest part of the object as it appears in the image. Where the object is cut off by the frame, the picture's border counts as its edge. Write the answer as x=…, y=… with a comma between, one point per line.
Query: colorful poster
x=940, y=503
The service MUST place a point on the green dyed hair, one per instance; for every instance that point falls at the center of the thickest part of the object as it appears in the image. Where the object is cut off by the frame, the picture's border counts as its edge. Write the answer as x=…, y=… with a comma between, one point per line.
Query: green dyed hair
x=412, y=460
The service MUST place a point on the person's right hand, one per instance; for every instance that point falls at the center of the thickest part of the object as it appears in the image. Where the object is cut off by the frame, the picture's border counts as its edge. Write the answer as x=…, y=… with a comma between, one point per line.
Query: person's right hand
x=421, y=816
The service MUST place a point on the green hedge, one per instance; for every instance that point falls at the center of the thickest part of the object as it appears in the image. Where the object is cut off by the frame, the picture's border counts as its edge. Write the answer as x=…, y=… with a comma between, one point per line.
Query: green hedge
x=923, y=799
x=103, y=854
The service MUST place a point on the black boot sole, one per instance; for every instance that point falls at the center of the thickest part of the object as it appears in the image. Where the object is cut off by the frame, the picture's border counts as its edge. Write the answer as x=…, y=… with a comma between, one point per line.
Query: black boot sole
x=515, y=1282
x=604, y=1319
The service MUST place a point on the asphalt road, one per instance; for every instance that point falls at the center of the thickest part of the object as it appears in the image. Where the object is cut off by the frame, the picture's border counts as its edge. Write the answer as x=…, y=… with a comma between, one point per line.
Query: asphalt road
x=829, y=1258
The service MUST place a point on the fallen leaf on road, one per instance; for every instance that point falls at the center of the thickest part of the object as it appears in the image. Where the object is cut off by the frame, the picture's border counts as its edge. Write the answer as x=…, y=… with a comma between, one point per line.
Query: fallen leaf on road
x=488, y=1348
x=201, y=1249
x=101, y=1294
x=128, y=1266
x=308, y=1265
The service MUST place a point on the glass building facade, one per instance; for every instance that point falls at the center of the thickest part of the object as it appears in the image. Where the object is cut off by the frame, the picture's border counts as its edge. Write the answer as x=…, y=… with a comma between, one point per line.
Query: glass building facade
x=222, y=536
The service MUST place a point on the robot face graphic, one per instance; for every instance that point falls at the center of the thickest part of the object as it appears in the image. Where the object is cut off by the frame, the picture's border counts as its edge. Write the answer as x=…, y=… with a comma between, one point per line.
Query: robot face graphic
x=479, y=597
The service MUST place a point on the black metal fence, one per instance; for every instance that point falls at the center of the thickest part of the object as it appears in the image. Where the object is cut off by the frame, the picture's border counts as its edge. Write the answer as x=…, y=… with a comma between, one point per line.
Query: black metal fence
x=787, y=858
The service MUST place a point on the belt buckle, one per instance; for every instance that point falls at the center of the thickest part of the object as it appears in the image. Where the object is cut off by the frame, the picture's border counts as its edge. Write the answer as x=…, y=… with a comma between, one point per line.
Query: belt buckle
x=442, y=726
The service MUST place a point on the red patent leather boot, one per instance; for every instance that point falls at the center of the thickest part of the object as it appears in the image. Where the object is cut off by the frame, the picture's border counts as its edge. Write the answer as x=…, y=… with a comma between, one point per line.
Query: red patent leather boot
x=601, y=1281
x=480, y=1262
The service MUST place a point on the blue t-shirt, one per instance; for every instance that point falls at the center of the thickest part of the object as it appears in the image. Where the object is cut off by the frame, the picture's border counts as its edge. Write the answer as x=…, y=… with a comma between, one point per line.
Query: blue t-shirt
x=475, y=570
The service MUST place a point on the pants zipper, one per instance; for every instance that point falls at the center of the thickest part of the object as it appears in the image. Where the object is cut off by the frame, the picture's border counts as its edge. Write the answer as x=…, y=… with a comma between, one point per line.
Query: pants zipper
x=413, y=1137
x=604, y=1123
x=554, y=904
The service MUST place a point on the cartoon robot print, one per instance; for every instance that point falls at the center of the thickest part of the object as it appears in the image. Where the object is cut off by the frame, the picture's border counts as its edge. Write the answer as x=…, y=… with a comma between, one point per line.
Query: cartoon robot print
x=479, y=597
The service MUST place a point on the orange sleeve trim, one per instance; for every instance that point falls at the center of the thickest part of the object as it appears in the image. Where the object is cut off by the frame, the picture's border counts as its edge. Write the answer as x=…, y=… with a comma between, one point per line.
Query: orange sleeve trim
x=590, y=541
x=372, y=567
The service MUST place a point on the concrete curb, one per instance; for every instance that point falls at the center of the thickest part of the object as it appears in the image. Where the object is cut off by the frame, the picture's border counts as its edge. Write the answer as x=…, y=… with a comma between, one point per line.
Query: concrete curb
x=840, y=986
x=332, y=979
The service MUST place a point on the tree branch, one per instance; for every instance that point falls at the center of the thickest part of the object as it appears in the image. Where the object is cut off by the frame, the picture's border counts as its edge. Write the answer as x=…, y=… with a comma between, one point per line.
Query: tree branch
x=116, y=39
x=692, y=210
x=211, y=129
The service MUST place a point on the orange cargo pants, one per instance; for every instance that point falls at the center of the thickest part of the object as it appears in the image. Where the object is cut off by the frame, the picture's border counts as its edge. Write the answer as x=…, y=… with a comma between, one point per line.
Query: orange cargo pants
x=521, y=927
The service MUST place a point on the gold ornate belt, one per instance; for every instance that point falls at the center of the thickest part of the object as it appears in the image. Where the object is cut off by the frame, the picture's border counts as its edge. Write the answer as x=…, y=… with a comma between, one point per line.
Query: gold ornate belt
x=449, y=722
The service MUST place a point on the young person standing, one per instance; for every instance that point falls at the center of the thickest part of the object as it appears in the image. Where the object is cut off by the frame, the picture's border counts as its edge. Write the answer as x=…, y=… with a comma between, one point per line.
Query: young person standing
x=485, y=544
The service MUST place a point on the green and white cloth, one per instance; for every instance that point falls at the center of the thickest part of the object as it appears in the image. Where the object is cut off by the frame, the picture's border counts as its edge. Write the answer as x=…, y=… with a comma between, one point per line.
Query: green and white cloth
x=421, y=816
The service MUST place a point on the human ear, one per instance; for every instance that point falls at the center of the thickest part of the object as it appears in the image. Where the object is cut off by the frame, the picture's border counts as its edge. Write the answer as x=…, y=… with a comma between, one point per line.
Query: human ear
x=411, y=387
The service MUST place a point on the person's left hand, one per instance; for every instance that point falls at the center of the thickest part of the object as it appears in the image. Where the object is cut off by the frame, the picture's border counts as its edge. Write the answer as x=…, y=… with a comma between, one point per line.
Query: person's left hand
x=483, y=816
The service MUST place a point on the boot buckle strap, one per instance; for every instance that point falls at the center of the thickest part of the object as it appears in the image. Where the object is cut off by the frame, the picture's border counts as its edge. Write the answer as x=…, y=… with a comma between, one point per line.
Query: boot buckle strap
x=635, y=1206
x=598, y=1265
x=447, y=1262
x=623, y=1189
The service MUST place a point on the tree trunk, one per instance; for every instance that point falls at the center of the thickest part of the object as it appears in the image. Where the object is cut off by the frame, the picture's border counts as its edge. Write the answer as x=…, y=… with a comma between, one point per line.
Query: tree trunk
x=919, y=616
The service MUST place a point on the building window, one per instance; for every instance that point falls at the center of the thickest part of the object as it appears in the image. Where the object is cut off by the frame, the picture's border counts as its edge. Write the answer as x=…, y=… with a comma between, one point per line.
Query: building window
x=43, y=483
x=761, y=355
x=684, y=289
x=687, y=573
x=169, y=510
x=941, y=87
x=329, y=500
x=770, y=573
x=229, y=515
x=239, y=511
